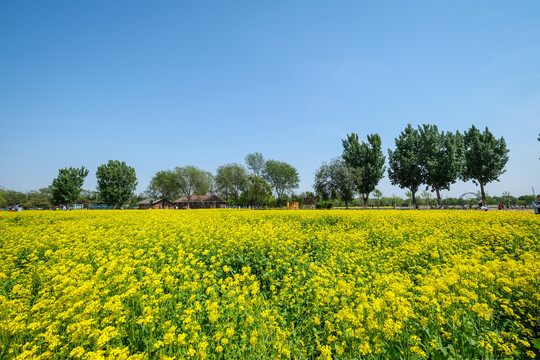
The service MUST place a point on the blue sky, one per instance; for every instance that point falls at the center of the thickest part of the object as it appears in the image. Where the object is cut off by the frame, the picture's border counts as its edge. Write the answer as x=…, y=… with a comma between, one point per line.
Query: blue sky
x=173, y=83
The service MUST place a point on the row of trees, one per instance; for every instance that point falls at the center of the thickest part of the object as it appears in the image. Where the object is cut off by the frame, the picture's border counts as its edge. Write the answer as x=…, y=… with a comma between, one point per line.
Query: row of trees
x=255, y=185
x=422, y=156
x=251, y=186
x=116, y=183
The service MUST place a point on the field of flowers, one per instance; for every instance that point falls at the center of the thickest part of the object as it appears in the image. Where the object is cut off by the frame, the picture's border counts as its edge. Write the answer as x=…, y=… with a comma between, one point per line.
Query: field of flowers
x=234, y=284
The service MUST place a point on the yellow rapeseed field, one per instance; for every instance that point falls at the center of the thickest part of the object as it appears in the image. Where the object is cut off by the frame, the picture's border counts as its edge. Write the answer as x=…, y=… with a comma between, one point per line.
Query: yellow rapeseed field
x=233, y=284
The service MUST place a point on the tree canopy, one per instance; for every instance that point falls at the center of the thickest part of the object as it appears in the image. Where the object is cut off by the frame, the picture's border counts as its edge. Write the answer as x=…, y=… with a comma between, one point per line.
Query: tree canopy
x=165, y=186
x=256, y=193
x=404, y=168
x=440, y=158
x=335, y=179
x=66, y=187
x=282, y=177
x=230, y=180
x=193, y=181
x=367, y=159
x=116, y=182
x=255, y=163
x=485, y=158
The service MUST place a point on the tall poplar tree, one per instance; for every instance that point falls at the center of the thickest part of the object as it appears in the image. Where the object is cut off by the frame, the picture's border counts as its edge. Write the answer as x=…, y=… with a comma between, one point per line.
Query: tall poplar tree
x=485, y=158
x=440, y=158
x=404, y=166
x=367, y=159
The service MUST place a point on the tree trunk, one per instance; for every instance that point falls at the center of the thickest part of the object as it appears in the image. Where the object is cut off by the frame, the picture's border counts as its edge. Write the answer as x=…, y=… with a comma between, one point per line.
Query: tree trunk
x=483, y=193
x=439, y=200
x=365, y=198
x=413, y=198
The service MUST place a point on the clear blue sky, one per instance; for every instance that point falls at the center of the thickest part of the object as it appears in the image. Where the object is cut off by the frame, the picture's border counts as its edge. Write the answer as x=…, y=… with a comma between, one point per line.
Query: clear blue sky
x=172, y=83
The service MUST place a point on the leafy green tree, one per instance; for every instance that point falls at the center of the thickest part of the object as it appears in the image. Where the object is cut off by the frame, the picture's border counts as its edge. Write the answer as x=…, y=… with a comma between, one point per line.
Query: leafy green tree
x=367, y=159
x=378, y=194
x=12, y=198
x=427, y=197
x=282, y=177
x=193, y=181
x=116, y=182
x=88, y=197
x=38, y=199
x=405, y=169
x=3, y=201
x=308, y=198
x=409, y=196
x=66, y=187
x=508, y=199
x=231, y=180
x=257, y=192
x=336, y=180
x=255, y=163
x=165, y=186
x=440, y=158
x=135, y=199
x=485, y=158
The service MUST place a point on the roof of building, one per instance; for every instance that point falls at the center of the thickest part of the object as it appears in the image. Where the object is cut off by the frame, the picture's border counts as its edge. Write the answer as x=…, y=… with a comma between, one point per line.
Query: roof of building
x=200, y=198
x=147, y=201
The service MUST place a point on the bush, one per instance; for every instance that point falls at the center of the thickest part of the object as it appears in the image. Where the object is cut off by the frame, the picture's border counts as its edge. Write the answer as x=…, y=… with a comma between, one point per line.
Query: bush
x=324, y=205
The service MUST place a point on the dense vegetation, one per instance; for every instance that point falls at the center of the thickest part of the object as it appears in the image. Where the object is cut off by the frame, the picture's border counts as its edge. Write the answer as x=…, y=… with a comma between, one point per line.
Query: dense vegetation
x=235, y=284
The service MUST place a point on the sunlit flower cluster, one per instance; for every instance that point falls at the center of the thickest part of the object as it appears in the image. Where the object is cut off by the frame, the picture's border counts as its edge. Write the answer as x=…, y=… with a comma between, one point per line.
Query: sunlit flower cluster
x=236, y=284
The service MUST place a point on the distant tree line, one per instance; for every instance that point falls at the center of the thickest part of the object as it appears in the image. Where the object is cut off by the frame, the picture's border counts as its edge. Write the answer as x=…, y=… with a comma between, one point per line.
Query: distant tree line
x=260, y=183
x=423, y=157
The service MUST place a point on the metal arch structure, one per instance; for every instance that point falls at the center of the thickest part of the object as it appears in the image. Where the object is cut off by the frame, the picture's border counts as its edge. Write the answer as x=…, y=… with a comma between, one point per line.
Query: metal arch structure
x=469, y=193
x=475, y=195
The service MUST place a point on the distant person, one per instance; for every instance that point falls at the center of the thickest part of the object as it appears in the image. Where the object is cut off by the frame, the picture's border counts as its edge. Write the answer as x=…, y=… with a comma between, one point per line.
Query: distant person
x=64, y=207
x=536, y=204
x=16, y=208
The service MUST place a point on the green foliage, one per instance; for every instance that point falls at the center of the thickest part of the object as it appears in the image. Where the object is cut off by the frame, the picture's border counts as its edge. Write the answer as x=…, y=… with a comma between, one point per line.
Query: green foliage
x=255, y=163
x=324, y=205
x=257, y=192
x=485, y=158
x=164, y=185
x=309, y=198
x=367, y=159
x=67, y=186
x=116, y=182
x=40, y=199
x=405, y=168
x=336, y=180
x=440, y=158
x=230, y=181
x=282, y=177
x=3, y=201
x=88, y=197
x=378, y=194
x=11, y=198
x=193, y=181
